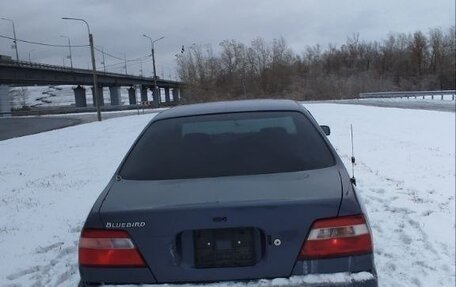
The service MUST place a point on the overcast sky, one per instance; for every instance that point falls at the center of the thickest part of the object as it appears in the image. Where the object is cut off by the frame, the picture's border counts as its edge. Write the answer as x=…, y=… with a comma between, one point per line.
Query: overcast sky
x=118, y=25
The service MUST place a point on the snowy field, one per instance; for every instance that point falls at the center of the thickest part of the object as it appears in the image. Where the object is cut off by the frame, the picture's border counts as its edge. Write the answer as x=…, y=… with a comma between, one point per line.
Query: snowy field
x=405, y=172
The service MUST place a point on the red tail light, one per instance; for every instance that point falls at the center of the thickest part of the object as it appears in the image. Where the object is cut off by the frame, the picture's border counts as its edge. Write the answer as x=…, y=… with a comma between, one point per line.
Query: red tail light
x=108, y=248
x=335, y=237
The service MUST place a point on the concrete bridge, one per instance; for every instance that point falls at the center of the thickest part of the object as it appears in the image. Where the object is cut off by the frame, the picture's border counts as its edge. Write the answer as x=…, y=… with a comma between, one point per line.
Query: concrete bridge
x=13, y=73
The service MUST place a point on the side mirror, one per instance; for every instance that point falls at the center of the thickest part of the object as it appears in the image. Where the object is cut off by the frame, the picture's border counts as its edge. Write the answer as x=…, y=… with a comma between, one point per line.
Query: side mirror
x=326, y=130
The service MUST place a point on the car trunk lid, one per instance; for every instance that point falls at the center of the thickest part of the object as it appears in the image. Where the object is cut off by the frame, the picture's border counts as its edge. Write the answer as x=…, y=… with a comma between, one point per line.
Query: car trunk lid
x=223, y=228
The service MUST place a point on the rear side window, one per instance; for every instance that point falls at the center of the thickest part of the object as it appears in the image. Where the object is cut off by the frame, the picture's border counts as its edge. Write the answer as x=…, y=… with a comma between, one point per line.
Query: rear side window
x=227, y=145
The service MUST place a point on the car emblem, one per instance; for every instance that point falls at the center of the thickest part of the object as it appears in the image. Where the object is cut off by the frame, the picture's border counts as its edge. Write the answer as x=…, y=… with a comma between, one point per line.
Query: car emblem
x=138, y=224
x=220, y=219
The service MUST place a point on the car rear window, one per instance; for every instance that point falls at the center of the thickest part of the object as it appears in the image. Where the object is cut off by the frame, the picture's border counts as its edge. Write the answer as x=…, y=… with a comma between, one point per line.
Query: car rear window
x=227, y=145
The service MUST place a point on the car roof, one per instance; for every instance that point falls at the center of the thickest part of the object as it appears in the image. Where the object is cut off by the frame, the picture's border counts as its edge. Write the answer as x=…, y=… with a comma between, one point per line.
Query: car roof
x=230, y=107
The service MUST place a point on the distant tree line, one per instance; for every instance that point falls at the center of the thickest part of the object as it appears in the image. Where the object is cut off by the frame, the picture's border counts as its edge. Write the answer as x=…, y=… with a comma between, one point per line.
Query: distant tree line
x=261, y=69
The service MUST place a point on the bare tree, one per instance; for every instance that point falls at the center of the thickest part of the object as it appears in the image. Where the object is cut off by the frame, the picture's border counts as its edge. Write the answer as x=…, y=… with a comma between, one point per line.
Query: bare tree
x=271, y=69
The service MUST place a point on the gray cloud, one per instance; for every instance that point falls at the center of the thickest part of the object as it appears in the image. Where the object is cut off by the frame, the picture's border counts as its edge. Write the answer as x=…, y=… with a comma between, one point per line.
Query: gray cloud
x=118, y=25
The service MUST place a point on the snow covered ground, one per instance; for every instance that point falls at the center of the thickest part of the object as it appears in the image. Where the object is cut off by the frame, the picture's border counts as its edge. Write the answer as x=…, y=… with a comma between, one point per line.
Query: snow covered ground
x=43, y=96
x=405, y=172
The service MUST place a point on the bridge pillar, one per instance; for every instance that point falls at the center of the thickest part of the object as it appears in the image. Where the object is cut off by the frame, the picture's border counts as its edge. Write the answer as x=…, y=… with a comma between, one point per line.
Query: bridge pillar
x=167, y=98
x=100, y=96
x=156, y=97
x=5, y=101
x=175, y=95
x=80, y=97
x=114, y=93
x=132, y=96
x=144, y=94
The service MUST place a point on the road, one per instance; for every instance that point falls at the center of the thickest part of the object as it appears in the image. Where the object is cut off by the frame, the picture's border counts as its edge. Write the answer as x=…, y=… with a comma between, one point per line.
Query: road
x=21, y=126
x=17, y=127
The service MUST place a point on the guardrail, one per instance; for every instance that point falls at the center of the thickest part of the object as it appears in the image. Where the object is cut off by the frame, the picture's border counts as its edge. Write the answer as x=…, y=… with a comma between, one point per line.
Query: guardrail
x=409, y=94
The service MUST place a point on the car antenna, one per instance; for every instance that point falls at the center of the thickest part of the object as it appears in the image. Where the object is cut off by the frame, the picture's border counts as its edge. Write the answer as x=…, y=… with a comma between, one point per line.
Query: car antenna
x=353, y=160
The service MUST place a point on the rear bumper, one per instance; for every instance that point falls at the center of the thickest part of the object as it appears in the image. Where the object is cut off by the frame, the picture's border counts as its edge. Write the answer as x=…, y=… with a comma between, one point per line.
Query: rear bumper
x=338, y=272
x=361, y=279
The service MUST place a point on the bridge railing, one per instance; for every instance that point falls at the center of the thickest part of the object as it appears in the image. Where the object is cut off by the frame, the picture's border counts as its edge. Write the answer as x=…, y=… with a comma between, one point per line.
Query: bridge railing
x=34, y=65
x=39, y=66
x=410, y=94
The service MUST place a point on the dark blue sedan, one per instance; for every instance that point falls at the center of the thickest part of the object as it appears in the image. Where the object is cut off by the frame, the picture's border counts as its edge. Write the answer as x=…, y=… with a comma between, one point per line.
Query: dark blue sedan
x=228, y=191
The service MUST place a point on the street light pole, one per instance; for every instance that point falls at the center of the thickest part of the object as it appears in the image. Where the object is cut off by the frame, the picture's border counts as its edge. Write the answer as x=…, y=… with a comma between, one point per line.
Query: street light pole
x=29, y=54
x=94, y=67
x=104, y=63
x=152, y=42
x=14, y=35
x=69, y=47
x=125, y=63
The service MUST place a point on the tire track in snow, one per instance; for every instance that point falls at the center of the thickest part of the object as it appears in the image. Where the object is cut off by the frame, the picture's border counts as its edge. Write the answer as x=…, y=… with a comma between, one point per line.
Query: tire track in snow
x=57, y=272
x=401, y=243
